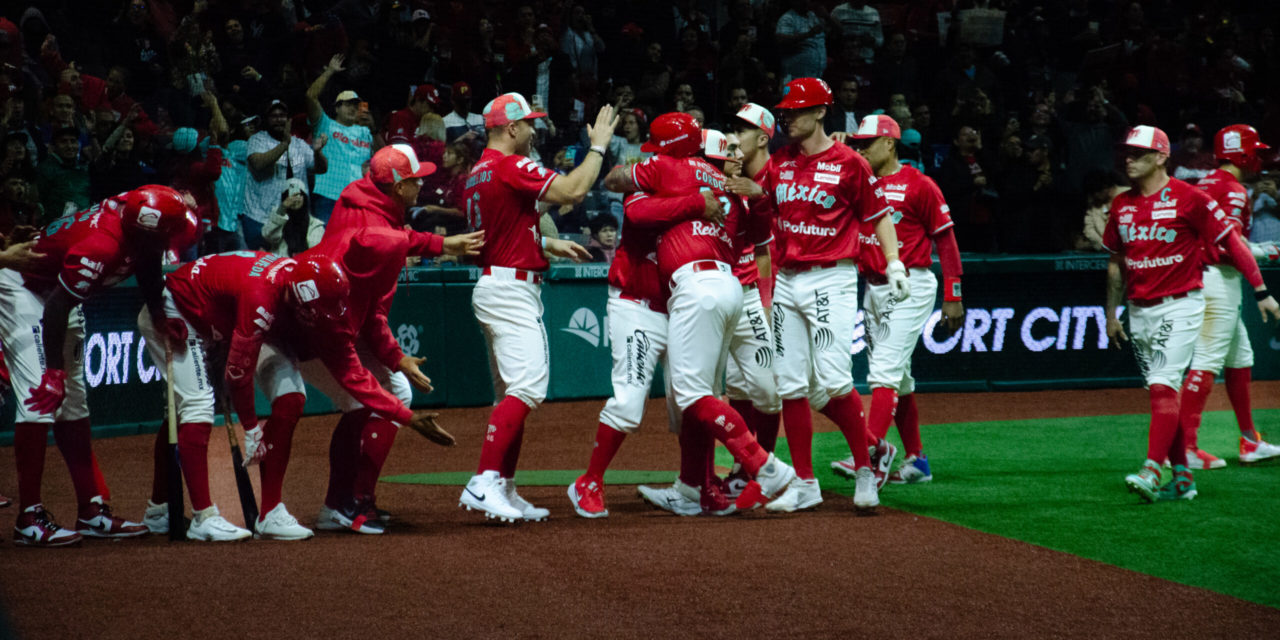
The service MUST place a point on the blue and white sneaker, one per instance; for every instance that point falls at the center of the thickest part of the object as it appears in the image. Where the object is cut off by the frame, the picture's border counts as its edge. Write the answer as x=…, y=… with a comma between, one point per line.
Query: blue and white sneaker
x=913, y=470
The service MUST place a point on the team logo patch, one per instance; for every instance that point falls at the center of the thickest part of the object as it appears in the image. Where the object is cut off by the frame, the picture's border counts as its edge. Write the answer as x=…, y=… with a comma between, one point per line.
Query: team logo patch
x=148, y=218
x=306, y=291
x=1231, y=142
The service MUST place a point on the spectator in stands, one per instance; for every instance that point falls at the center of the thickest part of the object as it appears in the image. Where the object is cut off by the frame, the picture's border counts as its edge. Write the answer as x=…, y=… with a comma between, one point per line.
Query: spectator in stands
x=461, y=125
x=63, y=176
x=655, y=78
x=243, y=62
x=138, y=45
x=196, y=167
x=624, y=148
x=896, y=71
x=17, y=157
x=682, y=98
x=963, y=181
x=843, y=115
x=738, y=98
x=1028, y=205
x=350, y=134
x=1091, y=126
x=1100, y=188
x=909, y=150
x=699, y=116
x=547, y=74
x=583, y=47
x=121, y=166
x=291, y=229
x=275, y=156
x=403, y=124
x=230, y=188
x=802, y=41
x=1190, y=161
x=18, y=205
x=445, y=204
x=63, y=115
x=1266, y=210
x=860, y=22
x=604, y=238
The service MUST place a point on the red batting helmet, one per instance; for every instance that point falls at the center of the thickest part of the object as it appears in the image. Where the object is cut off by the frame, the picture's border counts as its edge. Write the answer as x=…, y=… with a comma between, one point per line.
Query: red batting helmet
x=674, y=134
x=803, y=93
x=1239, y=144
x=159, y=212
x=317, y=289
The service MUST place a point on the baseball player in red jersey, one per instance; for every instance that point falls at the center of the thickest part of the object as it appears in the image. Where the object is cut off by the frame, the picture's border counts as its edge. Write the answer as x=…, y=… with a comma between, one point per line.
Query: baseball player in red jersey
x=1223, y=340
x=502, y=193
x=922, y=220
x=42, y=329
x=1157, y=232
x=637, y=310
x=822, y=192
x=231, y=301
x=694, y=256
x=366, y=237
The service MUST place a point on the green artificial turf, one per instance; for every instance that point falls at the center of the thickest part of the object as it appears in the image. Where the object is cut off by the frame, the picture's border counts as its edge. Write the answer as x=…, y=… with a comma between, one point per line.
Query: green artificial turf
x=1059, y=483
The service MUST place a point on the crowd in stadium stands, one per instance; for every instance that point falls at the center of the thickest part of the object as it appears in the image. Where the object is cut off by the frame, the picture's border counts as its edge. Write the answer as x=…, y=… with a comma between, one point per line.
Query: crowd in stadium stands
x=266, y=109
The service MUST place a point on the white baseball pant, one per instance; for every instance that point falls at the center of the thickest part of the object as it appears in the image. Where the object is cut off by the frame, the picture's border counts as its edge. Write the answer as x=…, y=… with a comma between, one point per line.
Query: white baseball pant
x=638, y=342
x=191, y=384
x=22, y=334
x=813, y=316
x=1164, y=337
x=893, y=328
x=702, y=312
x=1223, y=340
x=510, y=314
x=749, y=371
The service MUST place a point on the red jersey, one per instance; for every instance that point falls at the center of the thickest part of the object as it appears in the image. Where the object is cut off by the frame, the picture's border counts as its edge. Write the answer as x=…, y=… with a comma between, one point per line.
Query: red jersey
x=402, y=126
x=686, y=236
x=502, y=195
x=634, y=270
x=366, y=236
x=746, y=269
x=233, y=297
x=1162, y=237
x=820, y=202
x=1233, y=199
x=919, y=214
x=84, y=252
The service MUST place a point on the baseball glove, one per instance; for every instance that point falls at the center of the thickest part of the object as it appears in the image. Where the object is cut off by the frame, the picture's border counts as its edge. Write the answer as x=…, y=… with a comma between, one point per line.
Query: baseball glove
x=425, y=424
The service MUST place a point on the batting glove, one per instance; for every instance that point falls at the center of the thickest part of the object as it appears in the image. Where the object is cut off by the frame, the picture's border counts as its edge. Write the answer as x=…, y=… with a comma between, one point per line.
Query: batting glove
x=254, y=450
x=47, y=397
x=897, y=274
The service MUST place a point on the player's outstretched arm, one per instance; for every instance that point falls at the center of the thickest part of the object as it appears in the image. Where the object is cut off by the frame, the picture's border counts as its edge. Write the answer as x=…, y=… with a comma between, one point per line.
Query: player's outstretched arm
x=20, y=257
x=1115, y=295
x=466, y=244
x=560, y=248
x=573, y=188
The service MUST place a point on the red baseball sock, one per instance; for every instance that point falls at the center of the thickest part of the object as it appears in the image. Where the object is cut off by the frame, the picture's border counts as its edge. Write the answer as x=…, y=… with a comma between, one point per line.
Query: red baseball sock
x=1164, y=423
x=344, y=450
x=103, y=490
x=846, y=412
x=505, y=426
x=723, y=423
x=160, y=467
x=277, y=437
x=608, y=440
x=693, y=454
x=908, y=421
x=884, y=405
x=193, y=447
x=744, y=409
x=798, y=422
x=1238, y=380
x=511, y=459
x=766, y=427
x=375, y=445
x=1178, y=449
x=28, y=451
x=1195, y=394
x=73, y=440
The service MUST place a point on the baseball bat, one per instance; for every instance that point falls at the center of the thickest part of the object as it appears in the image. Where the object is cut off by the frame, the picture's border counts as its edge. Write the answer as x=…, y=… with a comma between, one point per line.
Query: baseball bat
x=244, y=485
x=176, y=507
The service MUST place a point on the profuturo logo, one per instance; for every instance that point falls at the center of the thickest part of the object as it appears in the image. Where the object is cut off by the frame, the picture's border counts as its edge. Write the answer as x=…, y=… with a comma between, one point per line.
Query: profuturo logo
x=584, y=324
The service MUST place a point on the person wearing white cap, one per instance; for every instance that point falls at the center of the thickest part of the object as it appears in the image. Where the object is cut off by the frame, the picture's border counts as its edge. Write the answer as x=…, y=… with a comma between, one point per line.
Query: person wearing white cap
x=350, y=133
x=1156, y=233
x=502, y=194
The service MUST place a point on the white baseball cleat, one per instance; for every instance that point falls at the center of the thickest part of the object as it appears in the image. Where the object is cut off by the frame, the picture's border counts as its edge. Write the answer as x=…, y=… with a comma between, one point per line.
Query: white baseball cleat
x=1251, y=452
x=865, y=495
x=156, y=517
x=277, y=524
x=680, y=498
x=487, y=492
x=800, y=494
x=774, y=476
x=528, y=511
x=208, y=525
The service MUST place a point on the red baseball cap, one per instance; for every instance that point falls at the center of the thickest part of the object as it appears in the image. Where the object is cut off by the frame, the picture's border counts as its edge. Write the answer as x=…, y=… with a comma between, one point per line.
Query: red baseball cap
x=397, y=162
x=878, y=126
x=674, y=134
x=1145, y=137
x=802, y=93
x=427, y=92
x=461, y=89
x=508, y=108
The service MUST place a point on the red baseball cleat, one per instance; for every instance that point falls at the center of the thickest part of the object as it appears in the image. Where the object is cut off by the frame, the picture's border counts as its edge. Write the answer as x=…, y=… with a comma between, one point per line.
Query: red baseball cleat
x=102, y=524
x=588, y=498
x=36, y=528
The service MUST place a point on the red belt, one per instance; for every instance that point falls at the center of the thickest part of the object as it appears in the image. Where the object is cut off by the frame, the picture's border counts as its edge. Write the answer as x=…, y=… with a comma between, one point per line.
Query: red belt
x=532, y=277
x=1155, y=301
x=704, y=265
x=875, y=279
x=653, y=305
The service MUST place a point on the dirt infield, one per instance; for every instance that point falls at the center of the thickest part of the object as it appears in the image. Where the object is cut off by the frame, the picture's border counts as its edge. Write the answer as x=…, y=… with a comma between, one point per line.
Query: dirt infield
x=444, y=572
